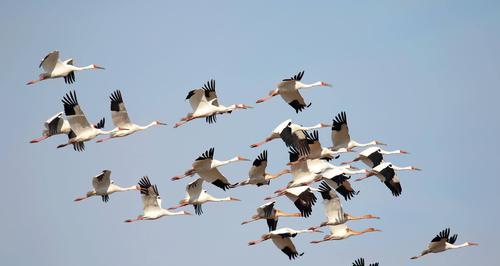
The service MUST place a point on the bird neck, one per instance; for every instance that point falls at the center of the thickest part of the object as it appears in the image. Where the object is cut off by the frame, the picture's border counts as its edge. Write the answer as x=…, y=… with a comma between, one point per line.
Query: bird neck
x=147, y=126
x=354, y=143
x=315, y=84
x=407, y=168
x=390, y=152
x=451, y=246
x=221, y=163
x=313, y=127
x=213, y=199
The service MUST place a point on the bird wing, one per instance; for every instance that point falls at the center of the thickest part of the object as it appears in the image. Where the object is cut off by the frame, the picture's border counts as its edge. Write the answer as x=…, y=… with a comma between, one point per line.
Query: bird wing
x=286, y=245
x=215, y=177
x=359, y=262
x=304, y=201
x=119, y=113
x=339, y=229
x=194, y=188
x=296, y=77
x=76, y=118
x=439, y=241
x=53, y=123
x=150, y=195
x=49, y=61
x=258, y=168
x=314, y=145
x=294, y=99
x=331, y=203
x=101, y=182
x=340, y=131
x=210, y=94
x=195, y=97
x=267, y=210
x=69, y=62
x=394, y=185
x=295, y=139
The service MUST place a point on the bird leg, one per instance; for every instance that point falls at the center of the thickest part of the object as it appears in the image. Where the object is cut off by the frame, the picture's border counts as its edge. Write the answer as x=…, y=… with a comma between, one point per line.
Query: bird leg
x=81, y=198
x=189, y=172
x=104, y=139
x=367, y=216
x=178, y=206
x=249, y=221
x=287, y=214
x=38, y=139
x=139, y=218
x=326, y=238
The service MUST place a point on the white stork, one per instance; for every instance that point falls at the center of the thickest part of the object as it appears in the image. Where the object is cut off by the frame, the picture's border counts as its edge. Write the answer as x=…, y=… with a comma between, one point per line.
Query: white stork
x=257, y=174
x=206, y=167
x=205, y=103
x=282, y=240
x=341, y=137
x=121, y=120
x=289, y=88
x=151, y=203
x=81, y=129
x=373, y=156
x=270, y=214
x=55, y=68
x=103, y=186
x=316, y=151
x=386, y=172
x=55, y=125
x=197, y=196
x=333, y=208
x=299, y=169
x=302, y=197
x=361, y=262
x=286, y=128
x=338, y=179
x=443, y=242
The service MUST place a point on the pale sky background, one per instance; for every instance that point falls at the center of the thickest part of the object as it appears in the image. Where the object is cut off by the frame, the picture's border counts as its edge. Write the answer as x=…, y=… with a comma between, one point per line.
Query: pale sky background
x=420, y=75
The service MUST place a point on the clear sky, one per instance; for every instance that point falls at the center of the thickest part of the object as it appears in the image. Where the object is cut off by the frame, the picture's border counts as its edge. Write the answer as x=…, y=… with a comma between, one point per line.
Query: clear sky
x=420, y=75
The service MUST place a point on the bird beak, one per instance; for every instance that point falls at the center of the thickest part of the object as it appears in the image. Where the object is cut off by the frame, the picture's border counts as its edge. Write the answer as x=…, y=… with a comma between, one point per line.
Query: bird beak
x=161, y=123
x=403, y=152
x=415, y=168
x=326, y=84
x=473, y=244
x=380, y=143
x=242, y=159
x=98, y=67
x=234, y=199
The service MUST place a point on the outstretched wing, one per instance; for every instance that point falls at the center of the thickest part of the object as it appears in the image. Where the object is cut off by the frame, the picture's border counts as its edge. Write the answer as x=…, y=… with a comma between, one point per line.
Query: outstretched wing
x=296, y=139
x=49, y=61
x=54, y=123
x=359, y=262
x=340, y=131
x=286, y=245
x=439, y=241
x=331, y=204
x=296, y=77
x=119, y=113
x=215, y=177
x=150, y=195
x=294, y=99
x=101, y=182
x=258, y=168
x=76, y=118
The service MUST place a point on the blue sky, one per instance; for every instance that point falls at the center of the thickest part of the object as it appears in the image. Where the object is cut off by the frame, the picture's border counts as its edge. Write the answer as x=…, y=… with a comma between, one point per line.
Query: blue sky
x=420, y=75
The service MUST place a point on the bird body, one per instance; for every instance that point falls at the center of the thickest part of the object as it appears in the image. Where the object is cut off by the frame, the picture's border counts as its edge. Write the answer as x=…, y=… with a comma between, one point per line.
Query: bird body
x=103, y=186
x=55, y=125
x=341, y=137
x=443, y=242
x=386, y=172
x=374, y=156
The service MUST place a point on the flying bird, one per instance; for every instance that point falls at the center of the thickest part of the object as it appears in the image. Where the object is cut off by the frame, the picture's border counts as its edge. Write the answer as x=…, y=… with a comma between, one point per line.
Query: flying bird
x=282, y=240
x=103, y=186
x=386, y=172
x=55, y=68
x=302, y=197
x=373, y=156
x=270, y=214
x=81, y=129
x=197, y=196
x=205, y=104
x=289, y=88
x=55, y=125
x=316, y=151
x=151, y=203
x=257, y=174
x=341, y=137
x=121, y=120
x=284, y=130
x=443, y=242
x=206, y=167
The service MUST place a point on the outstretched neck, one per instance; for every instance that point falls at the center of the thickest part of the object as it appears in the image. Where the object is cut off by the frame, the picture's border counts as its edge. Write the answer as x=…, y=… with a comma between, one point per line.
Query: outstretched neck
x=315, y=84
x=147, y=126
x=354, y=143
x=221, y=163
x=407, y=168
x=451, y=246
x=313, y=127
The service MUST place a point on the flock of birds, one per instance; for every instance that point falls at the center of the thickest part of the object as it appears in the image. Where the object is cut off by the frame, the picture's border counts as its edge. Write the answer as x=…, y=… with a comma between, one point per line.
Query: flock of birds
x=310, y=162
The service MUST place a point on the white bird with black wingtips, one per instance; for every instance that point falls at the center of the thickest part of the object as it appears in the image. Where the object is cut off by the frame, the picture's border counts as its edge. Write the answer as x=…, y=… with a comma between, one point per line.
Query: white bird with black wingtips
x=282, y=240
x=373, y=156
x=56, y=125
x=81, y=129
x=123, y=126
x=206, y=167
x=55, y=68
x=341, y=137
x=205, y=104
x=443, y=242
x=302, y=197
x=103, y=186
x=151, y=203
x=270, y=214
x=257, y=174
x=197, y=196
x=289, y=88
x=361, y=262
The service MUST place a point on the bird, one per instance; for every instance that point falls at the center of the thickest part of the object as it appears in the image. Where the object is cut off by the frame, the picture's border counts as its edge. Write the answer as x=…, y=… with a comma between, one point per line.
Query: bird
x=292, y=134
x=361, y=262
x=342, y=231
x=197, y=196
x=299, y=169
x=257, y=174
x=270, y=214
x=121, y=120
x=205, y=103
x=302, y=197
x=282, y=240
x=151, y=203
x=443, y=242
x=55, y=125
x=386, y=172
x=341, y=137
x=55, y=68
x=289, y=88
x=373, y=156
x=316, y=151
x=206, y=167
x=103, y=186
x=81, y=129
x=333, y=208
